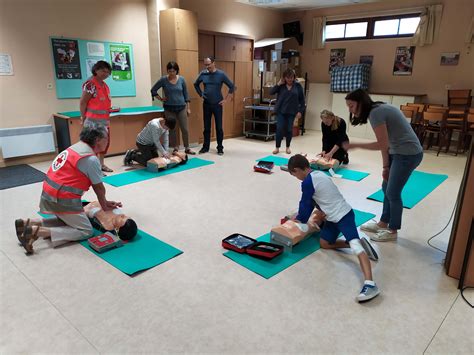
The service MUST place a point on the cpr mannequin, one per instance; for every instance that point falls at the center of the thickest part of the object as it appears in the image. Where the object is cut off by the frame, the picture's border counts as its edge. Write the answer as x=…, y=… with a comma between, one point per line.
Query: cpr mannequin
x=320, y=163
x=113, y=220
x=160, y=163
x=292, y=232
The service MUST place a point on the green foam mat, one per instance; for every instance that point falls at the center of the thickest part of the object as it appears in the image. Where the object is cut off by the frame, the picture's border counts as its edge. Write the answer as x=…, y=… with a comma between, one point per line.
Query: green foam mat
x=131, y=177
x=141, y=253
x=346, y=173
x=418, y=186
x=269, y=268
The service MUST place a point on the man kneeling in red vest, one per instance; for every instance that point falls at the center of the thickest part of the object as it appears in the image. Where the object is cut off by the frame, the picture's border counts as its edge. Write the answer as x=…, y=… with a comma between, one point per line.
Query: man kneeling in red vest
x=71, y=174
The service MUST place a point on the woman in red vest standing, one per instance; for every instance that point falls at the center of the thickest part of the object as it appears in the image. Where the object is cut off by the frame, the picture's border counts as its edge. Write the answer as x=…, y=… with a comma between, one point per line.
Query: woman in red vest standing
x=95, y=102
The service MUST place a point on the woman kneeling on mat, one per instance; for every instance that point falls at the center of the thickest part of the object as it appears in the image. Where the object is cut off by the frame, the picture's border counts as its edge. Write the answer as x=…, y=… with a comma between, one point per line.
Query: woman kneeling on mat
x=401, y=154
x=334, y=135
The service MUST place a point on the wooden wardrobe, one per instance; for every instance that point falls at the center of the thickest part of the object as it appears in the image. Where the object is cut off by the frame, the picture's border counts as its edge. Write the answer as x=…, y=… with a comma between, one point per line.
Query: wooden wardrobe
x=181, y=41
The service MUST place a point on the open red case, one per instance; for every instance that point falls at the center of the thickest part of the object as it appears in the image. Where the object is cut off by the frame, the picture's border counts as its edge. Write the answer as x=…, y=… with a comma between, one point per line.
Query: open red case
x=243, y=244
x=264, y=166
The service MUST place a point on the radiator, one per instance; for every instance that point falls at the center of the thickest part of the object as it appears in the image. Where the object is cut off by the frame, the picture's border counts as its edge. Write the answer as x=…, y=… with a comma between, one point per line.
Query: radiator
x=22, y=141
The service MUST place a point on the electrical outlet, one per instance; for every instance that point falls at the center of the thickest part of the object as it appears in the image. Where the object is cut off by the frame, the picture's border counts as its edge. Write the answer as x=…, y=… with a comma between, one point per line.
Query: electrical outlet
x=49, y=86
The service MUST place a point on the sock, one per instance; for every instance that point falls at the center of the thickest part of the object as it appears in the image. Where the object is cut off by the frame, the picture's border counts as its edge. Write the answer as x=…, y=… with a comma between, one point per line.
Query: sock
x=369, y=282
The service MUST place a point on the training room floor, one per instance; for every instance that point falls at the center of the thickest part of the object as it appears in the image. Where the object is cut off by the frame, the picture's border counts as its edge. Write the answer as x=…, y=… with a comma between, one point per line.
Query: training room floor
x=67, y=300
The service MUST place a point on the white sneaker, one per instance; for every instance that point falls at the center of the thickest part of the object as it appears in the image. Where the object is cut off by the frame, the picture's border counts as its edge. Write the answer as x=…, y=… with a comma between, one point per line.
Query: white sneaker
x=367, y=293
x=371, y=227
x=369, y=249
x=384, y=236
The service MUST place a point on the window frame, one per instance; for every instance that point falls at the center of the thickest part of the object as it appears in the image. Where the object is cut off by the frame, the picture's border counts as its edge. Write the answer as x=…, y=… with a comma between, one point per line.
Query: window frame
x=371, y=27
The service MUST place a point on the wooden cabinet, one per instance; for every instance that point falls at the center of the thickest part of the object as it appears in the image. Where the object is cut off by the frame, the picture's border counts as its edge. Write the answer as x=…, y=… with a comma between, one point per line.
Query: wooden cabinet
x=123, y=130
x=243, y=84
x=233, y=49
x=206, y=45
x=234, y=56
x=179, y=43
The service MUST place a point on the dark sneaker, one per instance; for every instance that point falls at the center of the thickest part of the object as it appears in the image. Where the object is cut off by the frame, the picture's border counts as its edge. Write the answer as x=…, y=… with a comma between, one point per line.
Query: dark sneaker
x=189, y=151
x=367, y=293
x=127, y=159
x=220, y=152
x=203, y=150
x=369, y=249
x=346, y=160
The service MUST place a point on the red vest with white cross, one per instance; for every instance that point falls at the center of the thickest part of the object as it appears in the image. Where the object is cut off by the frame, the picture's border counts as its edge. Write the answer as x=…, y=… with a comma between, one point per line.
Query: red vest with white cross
x=98, y=107
x=65, y=183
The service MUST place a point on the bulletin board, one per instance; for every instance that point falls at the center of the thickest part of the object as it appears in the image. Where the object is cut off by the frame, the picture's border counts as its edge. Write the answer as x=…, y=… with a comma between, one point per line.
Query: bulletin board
x=73, y=59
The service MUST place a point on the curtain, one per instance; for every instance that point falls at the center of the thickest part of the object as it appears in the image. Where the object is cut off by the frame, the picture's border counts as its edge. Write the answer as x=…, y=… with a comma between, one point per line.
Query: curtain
x=428, y=28
x=319, y=33
x=470, y=32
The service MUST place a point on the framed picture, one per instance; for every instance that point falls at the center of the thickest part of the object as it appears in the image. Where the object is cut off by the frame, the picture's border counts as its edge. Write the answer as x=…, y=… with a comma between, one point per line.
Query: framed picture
x=337, y=58
x=403, y=64
x=366, y=59
x=451, y=58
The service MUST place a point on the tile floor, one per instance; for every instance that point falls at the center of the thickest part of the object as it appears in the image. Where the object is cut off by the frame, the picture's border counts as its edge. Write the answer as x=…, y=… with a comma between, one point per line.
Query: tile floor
x=66, y=300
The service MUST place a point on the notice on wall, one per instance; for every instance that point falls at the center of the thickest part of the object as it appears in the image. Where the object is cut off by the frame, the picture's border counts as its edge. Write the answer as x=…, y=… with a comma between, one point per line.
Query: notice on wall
x=95, y=49
x=403, y=64
x=337, y=57
x=6, y=67
x=120, y=58
x=90, y=63
x=66, y=58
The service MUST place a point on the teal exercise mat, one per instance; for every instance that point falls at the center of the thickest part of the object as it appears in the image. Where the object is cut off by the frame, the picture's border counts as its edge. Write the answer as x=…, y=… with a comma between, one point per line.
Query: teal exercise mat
x=418, y=186
x=346, y=173
x=131, y=177
x=269, y=268
x=141, y=253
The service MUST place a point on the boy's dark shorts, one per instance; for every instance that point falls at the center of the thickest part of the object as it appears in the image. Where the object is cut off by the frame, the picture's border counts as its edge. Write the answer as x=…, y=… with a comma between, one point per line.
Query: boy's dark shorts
x=346, y=226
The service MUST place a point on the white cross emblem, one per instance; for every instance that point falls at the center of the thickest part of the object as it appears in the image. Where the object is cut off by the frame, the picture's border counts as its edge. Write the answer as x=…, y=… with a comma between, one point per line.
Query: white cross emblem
x=60, y=161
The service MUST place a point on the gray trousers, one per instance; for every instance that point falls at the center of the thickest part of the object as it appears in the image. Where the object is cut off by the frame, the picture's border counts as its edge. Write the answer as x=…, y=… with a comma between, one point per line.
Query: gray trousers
x=68, y=228
x=181, y=118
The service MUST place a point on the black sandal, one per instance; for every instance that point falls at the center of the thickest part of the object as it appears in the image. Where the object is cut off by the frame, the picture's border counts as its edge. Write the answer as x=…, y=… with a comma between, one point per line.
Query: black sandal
x=189, y=151
x=20, y=225
x=28, y=238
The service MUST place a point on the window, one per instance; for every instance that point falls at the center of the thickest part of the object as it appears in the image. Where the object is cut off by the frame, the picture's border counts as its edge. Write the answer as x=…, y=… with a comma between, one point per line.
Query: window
x=347, y=30
x=375, y=27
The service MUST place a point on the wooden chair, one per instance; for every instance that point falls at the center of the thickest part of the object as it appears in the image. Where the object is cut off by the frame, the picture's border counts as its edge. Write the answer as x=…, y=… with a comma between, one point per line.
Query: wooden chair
x=421, y=107
x=459, y=99
x=434, y=123
x=469, y=130
x=439, y=109
x=435, y=106
x=411, y=113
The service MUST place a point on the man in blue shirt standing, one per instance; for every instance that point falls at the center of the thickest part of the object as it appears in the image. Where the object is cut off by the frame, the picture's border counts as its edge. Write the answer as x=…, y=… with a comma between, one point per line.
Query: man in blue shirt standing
x=213, y=101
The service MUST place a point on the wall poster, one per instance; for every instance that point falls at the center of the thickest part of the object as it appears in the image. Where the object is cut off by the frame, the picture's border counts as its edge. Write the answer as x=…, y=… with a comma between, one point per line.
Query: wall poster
x=120, y=59
x=403, y=64
x=67, y=63
x=337, y=58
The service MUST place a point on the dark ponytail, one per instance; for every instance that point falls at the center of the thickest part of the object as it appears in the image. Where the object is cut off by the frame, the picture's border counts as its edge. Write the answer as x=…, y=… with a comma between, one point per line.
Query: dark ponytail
x=364, y=103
